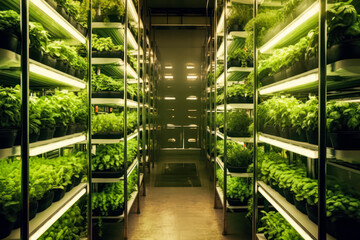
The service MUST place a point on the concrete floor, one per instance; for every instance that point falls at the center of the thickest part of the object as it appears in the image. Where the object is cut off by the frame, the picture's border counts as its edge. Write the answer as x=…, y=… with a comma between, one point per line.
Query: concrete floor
x=181, y=213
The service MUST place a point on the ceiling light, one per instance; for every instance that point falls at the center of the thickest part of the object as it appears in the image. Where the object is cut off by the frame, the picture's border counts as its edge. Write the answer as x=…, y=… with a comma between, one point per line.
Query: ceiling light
x=169, y=98
x=169, y=77
x=191, y=77
x=192, y=98
x=190, y=67
x=168, y=67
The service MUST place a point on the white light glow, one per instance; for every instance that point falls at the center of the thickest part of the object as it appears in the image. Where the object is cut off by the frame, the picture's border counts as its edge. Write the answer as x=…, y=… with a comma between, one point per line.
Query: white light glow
x=169, y=98
x=56, y=145
x=192, y=110
x=55, y=217
x=52, y=13
x=132, y=40
x=309, y=13
x=168, y=67
x=62, y=78
x=190, y=67
x=299, y=229
x=292, y=148
x=290, y=84
x=192, y=77
x=192, y=98
x=169, y=77
x=133, y=12
x=131, y=71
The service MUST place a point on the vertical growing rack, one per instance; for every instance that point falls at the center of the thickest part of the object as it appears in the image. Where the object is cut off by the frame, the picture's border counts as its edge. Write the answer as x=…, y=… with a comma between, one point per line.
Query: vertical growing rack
x=36, y=75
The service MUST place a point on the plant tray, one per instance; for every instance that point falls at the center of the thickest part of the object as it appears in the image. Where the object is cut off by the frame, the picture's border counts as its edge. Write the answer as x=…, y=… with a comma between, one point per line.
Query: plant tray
x=109, y=54
x=108, y=174
x=108, y=136
x=236, y=202
x=345, y=140
x=236, y=169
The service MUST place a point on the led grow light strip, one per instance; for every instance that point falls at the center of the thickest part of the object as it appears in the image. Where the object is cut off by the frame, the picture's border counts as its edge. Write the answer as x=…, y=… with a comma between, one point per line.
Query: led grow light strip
x=55, y=217
x=132, y=40
x=131, y=71
x=52, y=13
x=55, y=76
x=295, y=225
x=293, y=148
x=290, y=84
x=56, y=145
x=306, y=15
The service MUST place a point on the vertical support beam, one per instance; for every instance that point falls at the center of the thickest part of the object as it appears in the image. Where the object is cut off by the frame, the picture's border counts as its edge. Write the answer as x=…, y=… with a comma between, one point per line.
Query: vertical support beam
x=144, y=107
x=89, y=134
x=126, y=217
x=138, y=108
x=215, y=93
x=255, y=160
x=322, y=121
x=225, y=120
x=24, y=11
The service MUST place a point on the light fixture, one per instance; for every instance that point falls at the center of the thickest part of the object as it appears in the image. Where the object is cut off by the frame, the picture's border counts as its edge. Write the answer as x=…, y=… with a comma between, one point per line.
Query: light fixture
x=34, y=151
x=306, y=15
x=132, y=40
x=191, y=77
x=284, y=213
x=131, y=71
x=191, y=117
x=169, y=77
x=192, y=98
x=58, y=214
x=291, y=147
x=290, y=84
x=131, y=8
x=192, y=110
x=168, y=67
x=53, y=74
x=52, y=13
x=169, y=98
x=190, y=67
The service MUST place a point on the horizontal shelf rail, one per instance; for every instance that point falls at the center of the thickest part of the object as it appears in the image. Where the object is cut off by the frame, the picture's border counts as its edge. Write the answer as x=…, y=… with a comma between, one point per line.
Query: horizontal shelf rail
x=114, y=180
x=232, y=174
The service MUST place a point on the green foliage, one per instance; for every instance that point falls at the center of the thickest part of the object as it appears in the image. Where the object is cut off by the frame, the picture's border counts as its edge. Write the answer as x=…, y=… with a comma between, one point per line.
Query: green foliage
x=103, y=82
x=110, y=157
x=10, y=106
x=238, y=124
x=237, y=155
x=71, y=225
x=343, y=116
x=109, y=7
x=240, y=14
x=38, y=36
x=245, y=57
x=10, y=22
x=103, y=44
x=107, y=123
x=241, y=90
x=237, y=188
x=275, y=226
x=45, y=175
x=111, y=198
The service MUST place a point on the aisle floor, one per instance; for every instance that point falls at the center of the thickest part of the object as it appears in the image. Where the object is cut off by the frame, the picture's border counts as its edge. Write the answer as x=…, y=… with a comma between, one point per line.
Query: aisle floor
x=183, y=213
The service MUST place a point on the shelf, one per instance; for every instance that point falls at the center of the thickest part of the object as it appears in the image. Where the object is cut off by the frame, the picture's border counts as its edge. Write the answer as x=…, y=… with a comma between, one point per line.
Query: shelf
x=209, y=158
x=301, y=148
x=232, y=174
x=41, y=147
x=114, y=101
x=260, y=236
x=40, y=11
x=47, y=218
x=130, y=203
x=116, y=31
x=234, y=74
x=232, y=43
x=231, y=106
x=114, y=141
x=114, y=180
x=272, y=3
x=209, y=131
x=302, y=224
x=133, y=14
x=114, y=67
x=228, y=207
x=40, y=74
x=347, y=70
x=297, y=29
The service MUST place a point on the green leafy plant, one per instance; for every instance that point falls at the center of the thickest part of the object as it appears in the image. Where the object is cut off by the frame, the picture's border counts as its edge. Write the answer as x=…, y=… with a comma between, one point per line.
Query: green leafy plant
x=107, y=123
x=10, y=22
x=238, y=124
x=103, y=44
x=111, y=9
x=343, y=116
x=39, y=37
x=10, y=105
x=237, y=188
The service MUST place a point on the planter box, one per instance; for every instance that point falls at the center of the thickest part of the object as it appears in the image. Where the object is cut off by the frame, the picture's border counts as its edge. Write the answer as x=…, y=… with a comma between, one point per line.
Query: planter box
x=33, y=206
x=280, y=76
x=48, y=60
x=296, y=69
x=46, y=133
x=114, y=135
x=312, y=136
x=59, y=193
x=345, y=140
x=300, y=205
x=108, y=54
x=348, y=49
x=311, y=64
x=289, y=195
x=236, y=169
x=60, y=131
x=35, y=54
x=236, y=202
x=9, y=41
x=107, y=174
x=71, y=129
x=312, y=212
x=45, y=201
x=8, y=137
x=5, y=226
